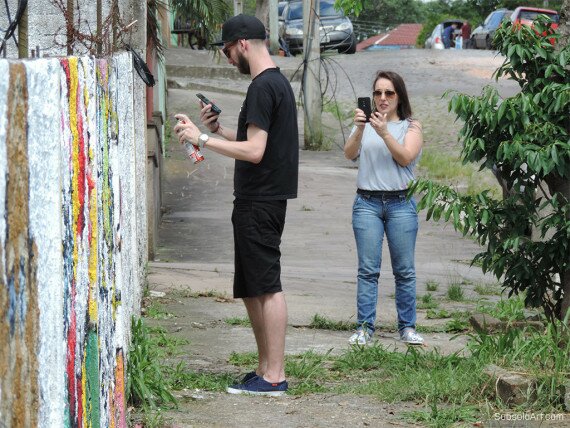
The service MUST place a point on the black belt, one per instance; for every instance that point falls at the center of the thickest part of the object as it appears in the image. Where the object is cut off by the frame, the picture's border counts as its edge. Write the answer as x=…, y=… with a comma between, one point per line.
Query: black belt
x=381, y=193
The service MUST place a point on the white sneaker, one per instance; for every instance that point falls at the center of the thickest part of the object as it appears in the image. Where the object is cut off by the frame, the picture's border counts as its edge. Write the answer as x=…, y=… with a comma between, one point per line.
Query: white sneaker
x=411, y=337
x=361, y=337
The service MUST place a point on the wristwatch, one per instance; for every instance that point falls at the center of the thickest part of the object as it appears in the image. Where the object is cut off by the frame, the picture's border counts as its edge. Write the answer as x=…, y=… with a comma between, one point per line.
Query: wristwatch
x=203, y=139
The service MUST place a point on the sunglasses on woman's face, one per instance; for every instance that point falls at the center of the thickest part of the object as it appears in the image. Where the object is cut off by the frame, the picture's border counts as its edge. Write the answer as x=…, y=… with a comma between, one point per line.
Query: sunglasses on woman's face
x=388, y=94
x=226, y=49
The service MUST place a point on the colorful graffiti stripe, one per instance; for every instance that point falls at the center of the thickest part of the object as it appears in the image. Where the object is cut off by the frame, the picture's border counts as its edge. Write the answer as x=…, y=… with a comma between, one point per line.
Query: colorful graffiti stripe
x=89, y=251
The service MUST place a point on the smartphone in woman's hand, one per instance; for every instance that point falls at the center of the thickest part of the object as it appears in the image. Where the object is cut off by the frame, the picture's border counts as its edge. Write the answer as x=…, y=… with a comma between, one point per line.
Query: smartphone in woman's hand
x=364, y=105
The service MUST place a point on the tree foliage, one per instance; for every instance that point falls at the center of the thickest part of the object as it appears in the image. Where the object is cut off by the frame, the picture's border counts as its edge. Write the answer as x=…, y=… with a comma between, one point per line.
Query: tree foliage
x=525, y=139
x=205, y=15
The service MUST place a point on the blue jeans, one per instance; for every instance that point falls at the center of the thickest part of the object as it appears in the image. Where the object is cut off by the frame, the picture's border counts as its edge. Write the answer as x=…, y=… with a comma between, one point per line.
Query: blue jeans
x=394, y=215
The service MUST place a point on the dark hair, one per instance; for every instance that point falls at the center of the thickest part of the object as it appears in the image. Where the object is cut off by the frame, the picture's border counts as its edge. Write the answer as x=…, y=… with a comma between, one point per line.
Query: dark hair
x=404, y=108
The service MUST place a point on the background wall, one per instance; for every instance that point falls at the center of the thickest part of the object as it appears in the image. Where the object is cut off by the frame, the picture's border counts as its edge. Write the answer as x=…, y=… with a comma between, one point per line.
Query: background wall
x=73, y=237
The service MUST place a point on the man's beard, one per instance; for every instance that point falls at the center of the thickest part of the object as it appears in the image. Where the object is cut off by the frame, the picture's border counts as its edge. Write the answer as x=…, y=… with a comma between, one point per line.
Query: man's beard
x=242, y=64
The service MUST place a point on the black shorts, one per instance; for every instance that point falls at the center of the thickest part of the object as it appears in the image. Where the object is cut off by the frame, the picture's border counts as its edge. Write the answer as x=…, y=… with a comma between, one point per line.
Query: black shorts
x=258, y=226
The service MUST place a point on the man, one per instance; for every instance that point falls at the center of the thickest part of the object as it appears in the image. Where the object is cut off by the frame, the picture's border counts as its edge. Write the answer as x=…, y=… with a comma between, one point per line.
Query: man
x=266, y=149
x=448, y=34
x=466, y=35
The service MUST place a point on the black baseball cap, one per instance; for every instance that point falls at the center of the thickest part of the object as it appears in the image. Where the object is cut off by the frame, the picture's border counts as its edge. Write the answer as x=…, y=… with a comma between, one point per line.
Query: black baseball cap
x=241, y=27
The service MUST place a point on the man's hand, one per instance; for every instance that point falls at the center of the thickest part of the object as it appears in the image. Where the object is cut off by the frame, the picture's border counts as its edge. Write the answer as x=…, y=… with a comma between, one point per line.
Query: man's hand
x=186, y=130
x=209, y=118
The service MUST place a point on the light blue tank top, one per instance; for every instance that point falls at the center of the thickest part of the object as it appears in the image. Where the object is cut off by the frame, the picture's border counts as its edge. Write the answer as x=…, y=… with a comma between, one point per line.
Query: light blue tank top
x=377, y=168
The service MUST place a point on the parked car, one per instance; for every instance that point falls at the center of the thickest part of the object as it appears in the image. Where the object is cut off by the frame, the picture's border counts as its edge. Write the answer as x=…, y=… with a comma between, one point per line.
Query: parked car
x=280, y=6
x=336, y=31
x=524, y=15
x=482, y=36
x=435, y=39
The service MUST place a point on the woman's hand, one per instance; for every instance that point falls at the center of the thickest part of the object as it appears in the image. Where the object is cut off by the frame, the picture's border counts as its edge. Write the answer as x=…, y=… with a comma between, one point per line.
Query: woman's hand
x=379, y=122
x=359, y=118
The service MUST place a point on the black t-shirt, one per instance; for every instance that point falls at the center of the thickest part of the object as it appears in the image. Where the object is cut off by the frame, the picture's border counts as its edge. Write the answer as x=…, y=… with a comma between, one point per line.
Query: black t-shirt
x=269, y=105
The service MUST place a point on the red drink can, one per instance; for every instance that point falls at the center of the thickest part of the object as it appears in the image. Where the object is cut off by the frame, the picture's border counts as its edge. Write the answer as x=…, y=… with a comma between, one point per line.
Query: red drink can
x=193, y=152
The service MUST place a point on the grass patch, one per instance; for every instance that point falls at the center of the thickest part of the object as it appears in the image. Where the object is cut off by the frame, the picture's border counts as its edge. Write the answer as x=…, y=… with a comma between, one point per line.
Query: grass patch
x=245, y=359
x=453, y=388
x=487, y=290
x=431, y=286
x=147, y=385
x=427, y=302
x=455, y=293
x=442, y=416
x=243, y=322
x=447, y=168
x=189, y=294
x=510, y=309
x=156, y=311
x=309, y=369
x=183, y=378
x=323, y=323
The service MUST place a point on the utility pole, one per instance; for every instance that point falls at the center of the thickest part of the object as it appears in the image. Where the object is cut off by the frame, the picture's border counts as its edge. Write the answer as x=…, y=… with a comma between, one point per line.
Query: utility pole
x=70, y=18
x=23, y=35
x=273, y=28
x=238, y=7
x=312, y=101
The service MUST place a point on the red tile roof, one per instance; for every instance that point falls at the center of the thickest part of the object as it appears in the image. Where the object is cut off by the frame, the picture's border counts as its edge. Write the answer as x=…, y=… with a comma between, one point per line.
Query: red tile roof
x=404, y=35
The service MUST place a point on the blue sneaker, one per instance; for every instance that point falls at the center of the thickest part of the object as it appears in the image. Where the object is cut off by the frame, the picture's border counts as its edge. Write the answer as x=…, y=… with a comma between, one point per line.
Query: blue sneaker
x=248, y=376
x=259, y=386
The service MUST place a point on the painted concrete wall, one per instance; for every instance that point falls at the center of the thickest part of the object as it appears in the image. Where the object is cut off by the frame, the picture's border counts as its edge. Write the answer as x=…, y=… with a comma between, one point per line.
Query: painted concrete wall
x=72, y=235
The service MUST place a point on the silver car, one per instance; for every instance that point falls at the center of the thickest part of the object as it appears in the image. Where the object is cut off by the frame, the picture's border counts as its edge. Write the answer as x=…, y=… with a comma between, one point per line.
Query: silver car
x=336, y=30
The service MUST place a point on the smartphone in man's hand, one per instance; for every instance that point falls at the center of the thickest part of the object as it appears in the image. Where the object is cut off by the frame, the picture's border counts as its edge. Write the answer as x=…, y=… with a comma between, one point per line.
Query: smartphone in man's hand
x=215, y=108
x=364, y=105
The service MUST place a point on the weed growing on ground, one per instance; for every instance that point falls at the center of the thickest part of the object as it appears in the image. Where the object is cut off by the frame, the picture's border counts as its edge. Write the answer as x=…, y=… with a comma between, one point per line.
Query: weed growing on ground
x=156, y=311
x=431, y=286
x=309, y=369
x=324, y=323
x=427, y=302
x=488, y=289
x=243, y=322
x=166, y=342
x=246, y=359
x=147, y=385
x=442, y=416
x=539, y=355
x=189, y=294
x=455, y=293
x=183, y=378
x=511, y=309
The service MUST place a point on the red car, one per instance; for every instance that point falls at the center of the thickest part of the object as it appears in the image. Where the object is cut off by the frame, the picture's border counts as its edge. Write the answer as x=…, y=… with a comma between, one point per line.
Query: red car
x=524, y=15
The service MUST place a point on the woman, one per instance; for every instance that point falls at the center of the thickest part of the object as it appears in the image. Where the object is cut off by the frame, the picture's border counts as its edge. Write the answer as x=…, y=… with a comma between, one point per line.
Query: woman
x=389, y=147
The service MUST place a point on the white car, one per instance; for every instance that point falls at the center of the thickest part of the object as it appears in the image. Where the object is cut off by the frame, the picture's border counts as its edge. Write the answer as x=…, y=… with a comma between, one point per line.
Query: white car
x=435, y=39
